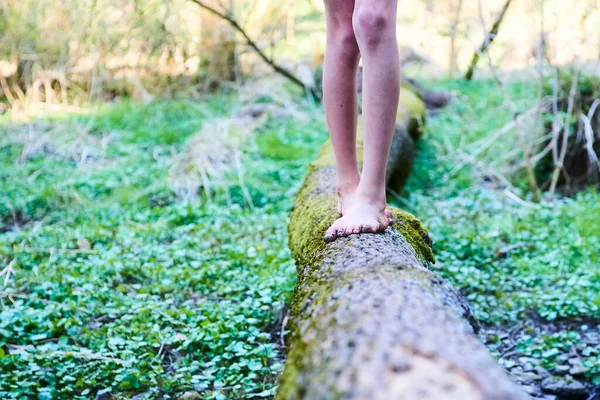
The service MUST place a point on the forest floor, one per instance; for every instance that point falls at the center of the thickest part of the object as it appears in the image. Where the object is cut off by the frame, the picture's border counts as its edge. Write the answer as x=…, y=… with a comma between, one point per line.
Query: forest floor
x=120, y=281
x=531, y=272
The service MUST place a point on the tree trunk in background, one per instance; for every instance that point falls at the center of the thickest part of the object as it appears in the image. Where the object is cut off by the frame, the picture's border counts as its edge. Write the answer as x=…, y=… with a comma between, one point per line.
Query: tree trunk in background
x=219, y=46
x=369, y=320
x=452, y=67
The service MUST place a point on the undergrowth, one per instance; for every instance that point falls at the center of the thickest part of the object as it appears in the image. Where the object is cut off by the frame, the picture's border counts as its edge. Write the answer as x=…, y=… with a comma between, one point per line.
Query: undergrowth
x=117, y=288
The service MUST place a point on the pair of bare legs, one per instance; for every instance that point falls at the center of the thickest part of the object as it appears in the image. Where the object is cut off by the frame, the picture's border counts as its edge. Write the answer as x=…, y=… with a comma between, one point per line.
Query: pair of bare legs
x=355, y=29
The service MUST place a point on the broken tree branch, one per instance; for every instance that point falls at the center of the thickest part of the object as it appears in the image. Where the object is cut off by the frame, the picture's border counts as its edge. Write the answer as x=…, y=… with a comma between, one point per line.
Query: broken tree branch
x=252, y=44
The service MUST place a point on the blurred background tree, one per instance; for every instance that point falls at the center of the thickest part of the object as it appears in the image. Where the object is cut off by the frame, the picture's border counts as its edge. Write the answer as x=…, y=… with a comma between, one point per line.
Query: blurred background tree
x=71, y=52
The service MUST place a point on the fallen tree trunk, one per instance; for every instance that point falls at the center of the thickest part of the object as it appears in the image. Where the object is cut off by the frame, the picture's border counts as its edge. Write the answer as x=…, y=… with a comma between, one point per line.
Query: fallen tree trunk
x=369, y=320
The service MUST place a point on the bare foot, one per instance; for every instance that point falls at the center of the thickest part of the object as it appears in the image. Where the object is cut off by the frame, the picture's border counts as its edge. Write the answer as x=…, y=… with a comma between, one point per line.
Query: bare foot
x=346, y=197
x=363, y=216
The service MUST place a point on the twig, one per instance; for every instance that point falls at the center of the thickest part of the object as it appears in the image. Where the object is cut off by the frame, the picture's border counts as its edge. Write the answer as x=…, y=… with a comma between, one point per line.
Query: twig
x=283, y=326
x=487, y=41
x=240, y=175
x=474, y=161
x=559, y=158
x=6, y=90
x=507, y=350
x=506, y=251
x=453, y=26
x=589, y=140
x=533, y=186
x=513, y=196
x=534, y=158
x=8, y=271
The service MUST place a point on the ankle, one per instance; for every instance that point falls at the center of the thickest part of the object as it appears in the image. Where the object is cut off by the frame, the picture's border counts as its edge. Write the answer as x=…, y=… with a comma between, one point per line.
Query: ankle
x=347, y=185
x=372, y=195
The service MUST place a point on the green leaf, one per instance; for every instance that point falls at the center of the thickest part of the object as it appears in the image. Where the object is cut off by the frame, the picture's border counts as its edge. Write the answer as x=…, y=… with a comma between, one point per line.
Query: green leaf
x=255, y=365
x=551, y=353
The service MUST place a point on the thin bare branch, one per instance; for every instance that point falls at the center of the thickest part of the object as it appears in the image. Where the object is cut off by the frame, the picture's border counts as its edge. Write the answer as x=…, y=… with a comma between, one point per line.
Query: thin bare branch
x=487, y=41
x=559, y=162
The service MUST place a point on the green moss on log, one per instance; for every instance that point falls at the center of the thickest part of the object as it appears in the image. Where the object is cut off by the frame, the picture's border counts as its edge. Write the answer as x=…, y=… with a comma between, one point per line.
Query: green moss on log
x=411, y=110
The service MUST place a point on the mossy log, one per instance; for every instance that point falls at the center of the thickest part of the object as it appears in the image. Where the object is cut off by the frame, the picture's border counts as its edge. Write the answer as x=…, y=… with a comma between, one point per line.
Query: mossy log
x=369, y=320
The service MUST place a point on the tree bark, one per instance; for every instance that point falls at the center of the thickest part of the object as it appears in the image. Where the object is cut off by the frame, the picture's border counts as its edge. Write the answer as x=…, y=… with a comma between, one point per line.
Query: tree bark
x=369, y=320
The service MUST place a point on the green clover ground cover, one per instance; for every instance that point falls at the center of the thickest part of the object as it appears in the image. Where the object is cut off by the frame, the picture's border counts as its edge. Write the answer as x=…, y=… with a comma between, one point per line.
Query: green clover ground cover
x=119, y=288
x=540, y=302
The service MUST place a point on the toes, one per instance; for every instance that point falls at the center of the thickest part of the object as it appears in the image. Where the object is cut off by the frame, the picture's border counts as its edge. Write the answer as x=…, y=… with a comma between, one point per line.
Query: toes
x=330, y=236
x=332, y=233
x=343, y=227
x=389, y=216
x=369, y=228
x=352, y=229
x=383, y=224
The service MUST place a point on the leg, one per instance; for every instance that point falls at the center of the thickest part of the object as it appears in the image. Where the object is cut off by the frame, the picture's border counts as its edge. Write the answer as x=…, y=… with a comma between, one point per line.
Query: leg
x=339, y=95
x=374, y=23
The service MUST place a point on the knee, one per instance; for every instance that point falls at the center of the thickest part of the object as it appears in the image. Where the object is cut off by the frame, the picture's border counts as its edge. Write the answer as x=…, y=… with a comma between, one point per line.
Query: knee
x=342, y=39
x=372, y=26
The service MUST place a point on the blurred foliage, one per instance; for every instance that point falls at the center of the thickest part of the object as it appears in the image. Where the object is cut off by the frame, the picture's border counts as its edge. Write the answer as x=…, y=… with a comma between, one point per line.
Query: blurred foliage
x=70, y=52
x=98, y=48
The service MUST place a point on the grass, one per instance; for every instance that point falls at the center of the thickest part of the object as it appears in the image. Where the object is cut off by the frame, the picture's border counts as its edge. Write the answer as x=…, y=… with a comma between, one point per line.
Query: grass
x=546, y=291
x=119, y=287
